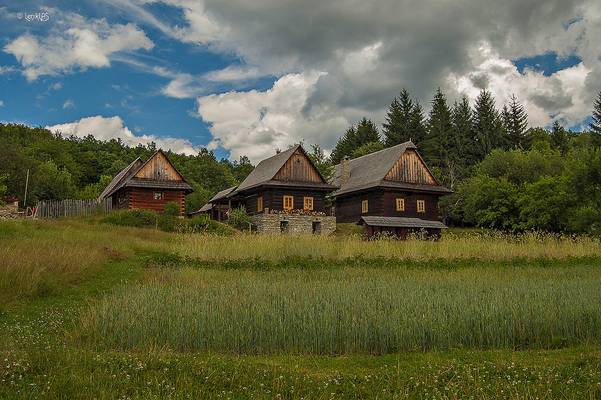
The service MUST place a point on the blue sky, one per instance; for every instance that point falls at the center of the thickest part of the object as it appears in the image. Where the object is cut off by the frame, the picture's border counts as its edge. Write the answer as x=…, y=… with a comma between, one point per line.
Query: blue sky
x=247, y=79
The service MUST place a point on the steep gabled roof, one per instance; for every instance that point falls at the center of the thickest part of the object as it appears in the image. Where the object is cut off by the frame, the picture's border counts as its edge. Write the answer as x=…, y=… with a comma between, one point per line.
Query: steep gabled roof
x=370, y=171
x=126, y=178
x=266, y=170
x=125, y=173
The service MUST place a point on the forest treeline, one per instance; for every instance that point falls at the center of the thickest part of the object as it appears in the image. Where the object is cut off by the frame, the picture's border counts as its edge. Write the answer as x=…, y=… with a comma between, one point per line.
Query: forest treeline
x=71, y=167
x=505, y=174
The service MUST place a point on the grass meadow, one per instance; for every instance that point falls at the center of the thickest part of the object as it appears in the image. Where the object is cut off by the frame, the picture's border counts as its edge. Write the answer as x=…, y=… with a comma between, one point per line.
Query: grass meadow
x=91, y=310
x=463, y=245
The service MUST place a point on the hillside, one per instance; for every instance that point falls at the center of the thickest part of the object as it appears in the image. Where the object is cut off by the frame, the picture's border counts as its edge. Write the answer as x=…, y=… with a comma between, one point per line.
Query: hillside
x=80, y=168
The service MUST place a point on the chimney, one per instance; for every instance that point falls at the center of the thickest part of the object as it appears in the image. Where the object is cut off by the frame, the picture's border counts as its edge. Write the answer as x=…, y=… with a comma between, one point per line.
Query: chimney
x=345, y=173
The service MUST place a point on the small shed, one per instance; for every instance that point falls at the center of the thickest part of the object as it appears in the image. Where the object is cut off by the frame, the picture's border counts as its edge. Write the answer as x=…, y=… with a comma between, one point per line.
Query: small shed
x=148, y=185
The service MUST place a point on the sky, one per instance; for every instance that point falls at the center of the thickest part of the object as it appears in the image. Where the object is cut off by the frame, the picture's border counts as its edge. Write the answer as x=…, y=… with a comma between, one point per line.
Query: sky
x=248, y=77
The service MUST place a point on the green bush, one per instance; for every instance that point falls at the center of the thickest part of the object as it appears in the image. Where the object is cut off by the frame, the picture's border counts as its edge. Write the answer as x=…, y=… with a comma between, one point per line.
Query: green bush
x=136, y=218
x=239, y=219
x=172, y=209
x=168, y=223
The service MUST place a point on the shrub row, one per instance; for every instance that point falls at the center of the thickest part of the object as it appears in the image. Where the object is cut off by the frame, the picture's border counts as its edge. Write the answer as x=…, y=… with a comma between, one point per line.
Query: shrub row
x=168, y=222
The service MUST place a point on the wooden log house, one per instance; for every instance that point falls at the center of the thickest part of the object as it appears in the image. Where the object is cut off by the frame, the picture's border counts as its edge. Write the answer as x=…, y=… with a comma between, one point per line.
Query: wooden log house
x=285, y=193
x=148, y=185
x=391, y=190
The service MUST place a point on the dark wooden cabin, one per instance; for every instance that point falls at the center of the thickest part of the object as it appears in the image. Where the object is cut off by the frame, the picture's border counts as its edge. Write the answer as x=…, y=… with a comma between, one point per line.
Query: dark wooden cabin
x=288, y=182
x=391, y=191
x=148, y=185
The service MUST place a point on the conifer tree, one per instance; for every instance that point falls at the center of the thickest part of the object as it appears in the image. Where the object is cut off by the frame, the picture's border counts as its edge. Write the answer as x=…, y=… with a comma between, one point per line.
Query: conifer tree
x=515, y=120
x=559, y=138
x=344, y=146
x=366, y=132
x=356, y=136
x=463, y=134
x=489, y=132
x=596, y=123
x=404, y=120
x=435, y=147
x=417, y=128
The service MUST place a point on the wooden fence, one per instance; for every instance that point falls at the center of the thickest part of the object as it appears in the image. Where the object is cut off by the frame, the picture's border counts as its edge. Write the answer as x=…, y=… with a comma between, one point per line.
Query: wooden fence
x=72, y=208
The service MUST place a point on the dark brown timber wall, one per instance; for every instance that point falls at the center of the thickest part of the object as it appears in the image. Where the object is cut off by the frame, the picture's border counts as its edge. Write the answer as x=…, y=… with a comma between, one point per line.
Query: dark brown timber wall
x=140, y=198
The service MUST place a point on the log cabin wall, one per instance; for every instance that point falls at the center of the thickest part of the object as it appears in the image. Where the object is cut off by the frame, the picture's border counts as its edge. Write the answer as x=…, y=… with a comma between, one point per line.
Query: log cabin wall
x=274, y=199
x=431, y=202
x=383, y=203
x=298, y=168
x=159, y=169
x=410, y=168
x=348, y=208
x=141, y=198
x=121, y=199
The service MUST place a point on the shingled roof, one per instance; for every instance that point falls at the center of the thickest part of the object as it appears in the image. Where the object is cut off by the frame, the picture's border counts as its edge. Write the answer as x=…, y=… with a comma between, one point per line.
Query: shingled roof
x=125, y=173
x=370, y=170
x=222, y=194
x=265, y=171
x=125, y=178
x=401, y=222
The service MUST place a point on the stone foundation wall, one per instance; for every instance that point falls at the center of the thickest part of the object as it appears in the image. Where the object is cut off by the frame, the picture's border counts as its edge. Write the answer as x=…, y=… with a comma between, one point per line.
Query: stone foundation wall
x=294, y=224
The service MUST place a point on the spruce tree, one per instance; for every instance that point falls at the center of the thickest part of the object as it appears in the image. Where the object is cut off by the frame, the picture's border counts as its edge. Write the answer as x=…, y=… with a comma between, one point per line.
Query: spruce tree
x=344, y=146
x=417, y=127
x=596, y=123
x=366, y=132
x=462, y=147
x=356, y=136
x=559, y=138
x=439, y=132
x=400, y=119
x=515, y=120
x=489, y=132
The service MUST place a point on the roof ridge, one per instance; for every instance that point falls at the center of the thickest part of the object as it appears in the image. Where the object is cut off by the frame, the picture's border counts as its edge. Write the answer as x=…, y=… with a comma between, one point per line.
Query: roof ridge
x=379, y=151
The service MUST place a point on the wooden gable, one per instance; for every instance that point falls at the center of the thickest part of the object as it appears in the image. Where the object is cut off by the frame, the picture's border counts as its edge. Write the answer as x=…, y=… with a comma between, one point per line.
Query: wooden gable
x=159, y=168
x=299, y=168
x=411, y=168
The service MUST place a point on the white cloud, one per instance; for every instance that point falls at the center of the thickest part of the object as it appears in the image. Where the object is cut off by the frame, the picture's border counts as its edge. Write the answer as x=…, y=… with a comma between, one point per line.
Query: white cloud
x=7, y=69
x=184, y=86
x=255, y=123
x=76, y=43
x=1, y=103
x=56, y=86
x=68, y=104
x=107, y=128
x=367, y=52
x=561, y=95
x=234, y=73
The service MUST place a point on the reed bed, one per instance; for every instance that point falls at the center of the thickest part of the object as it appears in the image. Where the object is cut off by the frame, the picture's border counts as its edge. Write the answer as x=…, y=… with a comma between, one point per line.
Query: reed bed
x=350, y=311
x=492, y=246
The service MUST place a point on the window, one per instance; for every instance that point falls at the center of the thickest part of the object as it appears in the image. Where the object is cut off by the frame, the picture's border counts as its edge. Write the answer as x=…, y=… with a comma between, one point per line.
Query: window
x=158, y=195
x=364, y=206
x=260, y=204
x=421, y=206
x=288, y=202
x=284, y=226
x=316, y=227
x=308, y=203
x=400, y=204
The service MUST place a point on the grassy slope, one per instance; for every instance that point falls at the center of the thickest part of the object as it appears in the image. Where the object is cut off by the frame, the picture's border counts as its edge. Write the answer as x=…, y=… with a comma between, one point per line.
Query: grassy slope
x=40, y=358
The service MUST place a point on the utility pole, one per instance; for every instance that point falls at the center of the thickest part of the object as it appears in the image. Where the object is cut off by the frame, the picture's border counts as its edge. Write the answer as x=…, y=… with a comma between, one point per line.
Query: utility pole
x=26, y=185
